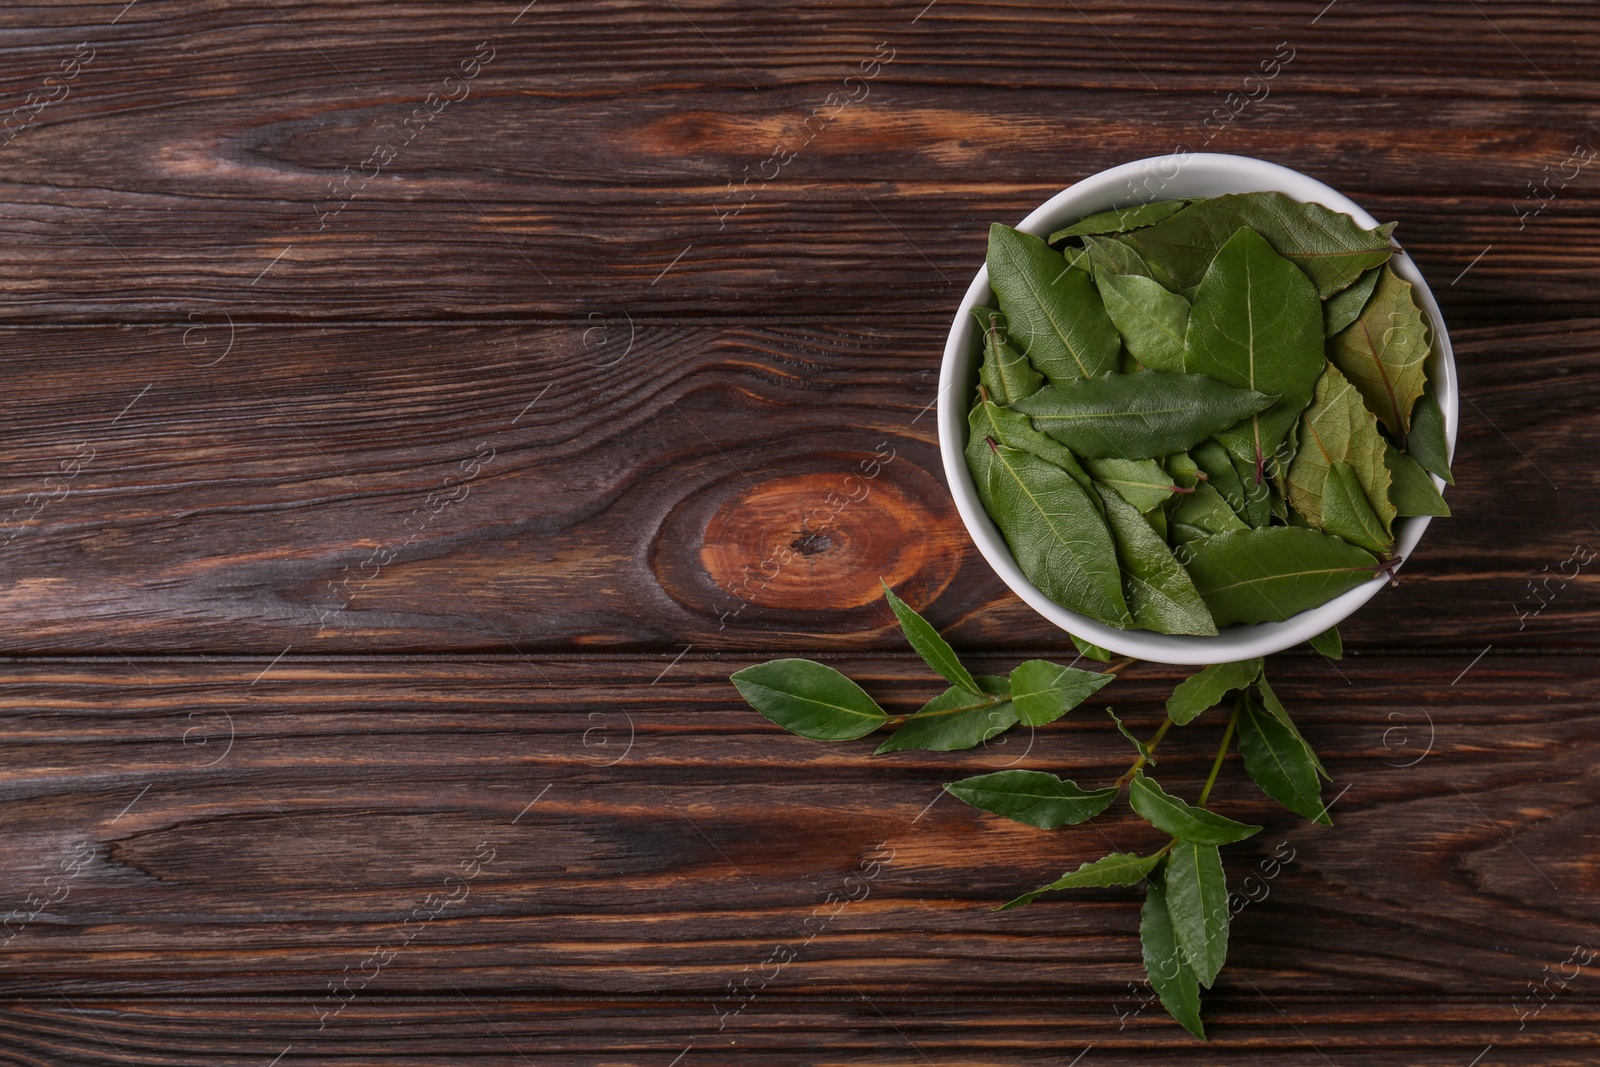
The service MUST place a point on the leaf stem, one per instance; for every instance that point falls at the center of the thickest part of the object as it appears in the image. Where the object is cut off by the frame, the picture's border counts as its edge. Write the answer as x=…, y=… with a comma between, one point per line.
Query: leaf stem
x=1144, y=757
x=1222, y=751
x=992, y=700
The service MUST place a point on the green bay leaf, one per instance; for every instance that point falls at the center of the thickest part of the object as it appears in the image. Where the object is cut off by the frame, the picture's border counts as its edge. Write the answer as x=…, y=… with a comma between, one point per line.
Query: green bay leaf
x=1427, y=443
x=810, y=699
x=1033, y=797
x=1109, y=256
x=1151, y=320
x=1159, y=592
x=1138, y=416
x=1119, y=868
x=1015, y=430
x=1257, y=494
x=1347, y=513
x=1270, y=574
x=1329, y=643
x=956, y=719
x=1056, y=532
x=1004, y=372
x=1202, y=512
x=933, y=648
x=1345, y=306
x=1329, y=246
x=1411, y=488
x=1090, y=650
x=1045, y=691
x=1382, y=353
x=1279, y=761
x=1142, y=482
x=1184, y=821
x=1171, y=978
x=1257, y=325
x=1186, y=474
x=1054, y=313
x=1275, y=708
x=1120, y=220
x=1197, y=900
x=1205, y=688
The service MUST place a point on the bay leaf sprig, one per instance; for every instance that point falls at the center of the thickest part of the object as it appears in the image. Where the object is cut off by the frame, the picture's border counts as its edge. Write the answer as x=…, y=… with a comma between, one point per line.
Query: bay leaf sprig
x=1185, y=918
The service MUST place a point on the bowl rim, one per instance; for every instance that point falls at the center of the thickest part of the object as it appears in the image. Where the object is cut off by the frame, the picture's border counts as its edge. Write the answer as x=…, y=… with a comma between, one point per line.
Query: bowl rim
x=1178, y=175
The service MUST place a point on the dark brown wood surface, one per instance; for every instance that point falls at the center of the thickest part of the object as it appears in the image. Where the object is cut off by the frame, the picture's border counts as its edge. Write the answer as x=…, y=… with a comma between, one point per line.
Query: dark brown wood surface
x=347, y=552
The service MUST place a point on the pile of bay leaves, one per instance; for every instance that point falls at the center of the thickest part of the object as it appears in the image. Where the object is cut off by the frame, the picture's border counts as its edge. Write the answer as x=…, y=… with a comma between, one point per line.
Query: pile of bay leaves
x=1193, y=413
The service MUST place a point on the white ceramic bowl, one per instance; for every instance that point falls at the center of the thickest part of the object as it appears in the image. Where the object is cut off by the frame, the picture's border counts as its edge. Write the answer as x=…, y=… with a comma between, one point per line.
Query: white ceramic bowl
x=1144, y=180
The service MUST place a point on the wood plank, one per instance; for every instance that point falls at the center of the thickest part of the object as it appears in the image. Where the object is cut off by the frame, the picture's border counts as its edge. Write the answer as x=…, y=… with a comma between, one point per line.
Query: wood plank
x=1008, y=43
x=670, y=484
x=230, y=210
x=207, y=827
x=514, y=1032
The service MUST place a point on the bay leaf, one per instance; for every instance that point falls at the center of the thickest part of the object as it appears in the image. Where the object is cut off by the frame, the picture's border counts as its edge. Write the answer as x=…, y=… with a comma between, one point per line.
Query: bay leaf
x=1173, y=816
x=1109, y=257
x=1329, y=246
x=1186, y=474
x=1197, y=900
x=1329, y=643
x=1157, y=518
x=1171, y=978
x=1045, y=691
x=1054, y=313
x=1004, y=372
x=1347, y=513
x=1270, y=574
x=810, y=699
x=1033, y=797
x=1159, y=592
x=1120, y=220
x=1089, y=650
x=1201, y=513
x=929, y=644
x=1344, y=307
x=1015, y=430
x=1382, y=353
x=1119, y=868
x=1151, y=320
x=1137, y=416
x=1056, y=533
x=1221, y=474
x=1411, y=488
x=1257, y=495
x=956, y=719
x=1141, y=482
x=1138, y=745
x=1275, y=708
x=1338, y=428
x=1277, y=760
x=1204, y=689
x=1257, y=325
x=1426, y=443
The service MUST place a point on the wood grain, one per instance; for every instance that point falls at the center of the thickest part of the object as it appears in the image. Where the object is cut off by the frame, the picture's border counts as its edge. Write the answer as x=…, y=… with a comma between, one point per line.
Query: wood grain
x=642, y=831
x=349, y=552
x=195, y=166
x=669, y=484
x=789, y=1031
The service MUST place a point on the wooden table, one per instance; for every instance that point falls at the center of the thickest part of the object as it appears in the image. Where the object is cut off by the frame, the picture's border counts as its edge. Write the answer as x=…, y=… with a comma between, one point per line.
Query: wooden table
x=414, y=412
